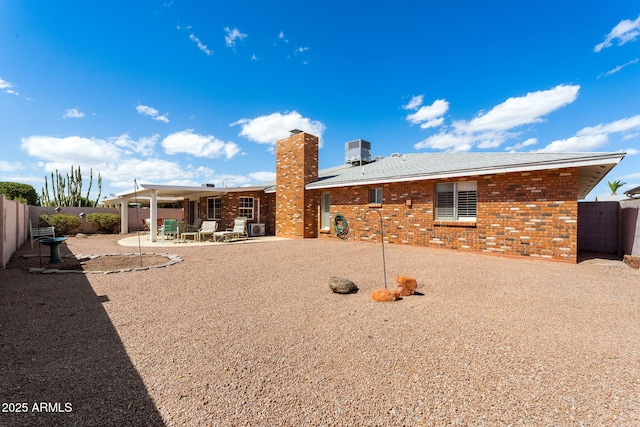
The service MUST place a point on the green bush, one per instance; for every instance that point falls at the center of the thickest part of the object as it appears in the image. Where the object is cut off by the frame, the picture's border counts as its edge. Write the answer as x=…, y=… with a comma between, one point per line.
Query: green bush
x=21, y=192
x=63, y=223
x=106, y=222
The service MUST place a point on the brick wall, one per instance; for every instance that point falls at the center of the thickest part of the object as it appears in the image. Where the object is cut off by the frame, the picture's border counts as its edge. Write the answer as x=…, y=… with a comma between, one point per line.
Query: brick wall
x=526, y=214
x=231, y=209
x=296, y=166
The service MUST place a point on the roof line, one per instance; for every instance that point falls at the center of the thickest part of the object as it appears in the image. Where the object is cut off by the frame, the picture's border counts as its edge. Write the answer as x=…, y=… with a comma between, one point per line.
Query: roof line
x=604, y=158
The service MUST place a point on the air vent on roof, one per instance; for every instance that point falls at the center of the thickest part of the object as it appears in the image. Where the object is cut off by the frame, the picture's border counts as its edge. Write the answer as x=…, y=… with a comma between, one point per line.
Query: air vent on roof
x=357, y=152
x=395, y=154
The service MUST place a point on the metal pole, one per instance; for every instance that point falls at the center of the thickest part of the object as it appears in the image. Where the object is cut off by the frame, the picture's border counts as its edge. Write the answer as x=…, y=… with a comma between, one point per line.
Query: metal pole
x=384, y=263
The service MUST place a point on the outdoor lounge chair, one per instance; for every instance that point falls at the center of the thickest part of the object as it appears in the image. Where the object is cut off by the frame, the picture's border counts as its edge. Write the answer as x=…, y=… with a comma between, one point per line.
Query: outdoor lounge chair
x=208, y=228
x=195, y=226
x=238, y=232
x=170, y=229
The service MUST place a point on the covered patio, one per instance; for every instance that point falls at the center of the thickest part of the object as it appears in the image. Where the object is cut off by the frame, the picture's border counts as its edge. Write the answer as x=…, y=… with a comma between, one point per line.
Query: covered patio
x=156, y=193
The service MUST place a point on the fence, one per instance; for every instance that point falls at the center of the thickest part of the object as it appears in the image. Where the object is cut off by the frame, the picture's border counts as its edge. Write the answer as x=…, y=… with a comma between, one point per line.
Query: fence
x=14, y=227
x=609, y=227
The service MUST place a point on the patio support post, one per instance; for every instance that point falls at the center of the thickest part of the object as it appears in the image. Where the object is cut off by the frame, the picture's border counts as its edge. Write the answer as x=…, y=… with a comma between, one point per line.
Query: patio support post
x=153, y=207
x=124, y=215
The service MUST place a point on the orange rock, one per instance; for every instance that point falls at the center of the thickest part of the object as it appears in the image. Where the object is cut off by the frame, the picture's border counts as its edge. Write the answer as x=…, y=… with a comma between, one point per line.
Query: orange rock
x=407, y=285
x=385, y=295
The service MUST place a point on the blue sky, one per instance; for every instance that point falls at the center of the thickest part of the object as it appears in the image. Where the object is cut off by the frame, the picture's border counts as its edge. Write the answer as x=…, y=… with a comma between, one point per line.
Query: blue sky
x=187, y=92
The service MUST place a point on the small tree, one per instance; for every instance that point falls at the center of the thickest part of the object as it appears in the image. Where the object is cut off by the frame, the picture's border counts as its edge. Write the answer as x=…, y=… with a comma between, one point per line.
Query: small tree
x=20, y=192
x=614, y=185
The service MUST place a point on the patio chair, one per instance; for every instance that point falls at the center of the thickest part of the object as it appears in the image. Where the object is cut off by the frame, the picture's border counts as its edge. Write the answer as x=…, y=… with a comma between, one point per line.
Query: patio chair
x=238, y=232
x=170, y=229
x=40, y=232
x=208, y=228
x=195, y=226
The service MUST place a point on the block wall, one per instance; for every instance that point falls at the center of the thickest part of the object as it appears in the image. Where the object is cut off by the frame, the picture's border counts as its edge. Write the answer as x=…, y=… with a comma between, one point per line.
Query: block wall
x=532, y=214
x=296, y=166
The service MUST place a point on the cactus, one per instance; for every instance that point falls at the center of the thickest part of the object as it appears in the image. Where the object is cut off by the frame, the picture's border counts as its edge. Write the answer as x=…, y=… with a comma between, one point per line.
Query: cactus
x=68, y=191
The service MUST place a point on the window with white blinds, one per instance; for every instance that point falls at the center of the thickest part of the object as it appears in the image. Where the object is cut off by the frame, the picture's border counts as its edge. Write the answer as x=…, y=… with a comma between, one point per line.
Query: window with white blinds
x=456, y=201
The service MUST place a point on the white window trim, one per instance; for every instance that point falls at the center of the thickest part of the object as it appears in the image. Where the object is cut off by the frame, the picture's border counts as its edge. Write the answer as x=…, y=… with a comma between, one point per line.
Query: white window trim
x=214, y=210
x=457, y=187
x=253, y=207
x=325, y=204
x=377, y=192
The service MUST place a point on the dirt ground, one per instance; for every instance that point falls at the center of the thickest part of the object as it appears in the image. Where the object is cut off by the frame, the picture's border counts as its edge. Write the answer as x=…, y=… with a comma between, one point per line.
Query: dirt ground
x=27, y=258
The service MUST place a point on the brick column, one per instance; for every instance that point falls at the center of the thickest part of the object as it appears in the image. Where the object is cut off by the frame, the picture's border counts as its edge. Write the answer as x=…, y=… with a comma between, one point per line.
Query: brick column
x=296, y=166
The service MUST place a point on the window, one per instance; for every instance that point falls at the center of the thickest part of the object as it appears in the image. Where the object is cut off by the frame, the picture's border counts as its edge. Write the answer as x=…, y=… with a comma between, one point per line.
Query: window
x=456, y=201
x=246, y=207
x=375, y=195
x=214, y=208
x=325, y=208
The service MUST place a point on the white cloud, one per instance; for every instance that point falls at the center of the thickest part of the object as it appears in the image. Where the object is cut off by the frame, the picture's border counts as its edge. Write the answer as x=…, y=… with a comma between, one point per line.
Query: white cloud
x=623, y=125
x=414, y=103
x=523, y=110
x=10, y=166
x=71, y=150
x=198, y=145
x=73, y=113
x=144, y=146
x=152, y=170
x=269, y=129
x=233, y=35
x=632, y=151
x=491, y=129
x=447, y=141
x=203, y=47
x=152, y=112
x=263, y=176
x=618, y=68
x=592, y=137
x=7, y=87
x=282, y=37
x=624, y=32
x=576, y=143
x=429, y=116
x=519, y=146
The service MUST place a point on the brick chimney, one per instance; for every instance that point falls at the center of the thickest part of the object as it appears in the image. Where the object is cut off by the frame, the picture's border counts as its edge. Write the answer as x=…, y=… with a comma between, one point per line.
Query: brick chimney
x=296, y=166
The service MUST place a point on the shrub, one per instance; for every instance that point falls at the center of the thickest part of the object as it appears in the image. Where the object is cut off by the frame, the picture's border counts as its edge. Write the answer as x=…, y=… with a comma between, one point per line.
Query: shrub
x=20, y=192
x=106, y=222
x=63, y=223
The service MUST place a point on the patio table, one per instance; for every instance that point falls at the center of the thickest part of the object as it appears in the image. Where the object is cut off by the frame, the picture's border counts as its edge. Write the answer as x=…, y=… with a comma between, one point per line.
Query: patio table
x=195, y=235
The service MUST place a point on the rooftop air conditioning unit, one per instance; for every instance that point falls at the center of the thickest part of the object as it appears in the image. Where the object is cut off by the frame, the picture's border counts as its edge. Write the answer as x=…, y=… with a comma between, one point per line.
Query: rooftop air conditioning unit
x=357, y=152
x=256, y=230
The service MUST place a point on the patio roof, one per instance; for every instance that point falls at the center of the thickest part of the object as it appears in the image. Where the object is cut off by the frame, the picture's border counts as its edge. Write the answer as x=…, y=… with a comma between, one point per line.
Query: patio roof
x=633, y=193
x=158, y=192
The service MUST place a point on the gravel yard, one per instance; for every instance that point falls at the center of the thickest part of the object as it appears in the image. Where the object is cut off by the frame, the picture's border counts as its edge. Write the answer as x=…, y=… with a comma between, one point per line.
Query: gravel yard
x=250, y=334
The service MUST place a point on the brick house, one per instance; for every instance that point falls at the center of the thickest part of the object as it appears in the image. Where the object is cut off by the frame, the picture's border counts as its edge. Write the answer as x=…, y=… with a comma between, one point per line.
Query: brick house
x=520, y=204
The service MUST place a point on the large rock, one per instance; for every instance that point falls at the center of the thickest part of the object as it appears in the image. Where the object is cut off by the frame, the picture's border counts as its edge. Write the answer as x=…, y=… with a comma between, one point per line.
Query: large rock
x=342, y=286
